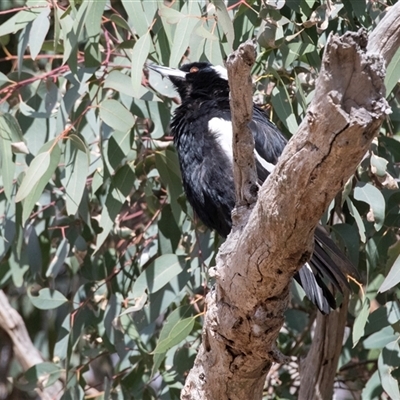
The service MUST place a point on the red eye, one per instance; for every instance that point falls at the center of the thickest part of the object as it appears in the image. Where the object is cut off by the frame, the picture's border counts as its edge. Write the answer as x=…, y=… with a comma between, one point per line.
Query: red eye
x=193, y=69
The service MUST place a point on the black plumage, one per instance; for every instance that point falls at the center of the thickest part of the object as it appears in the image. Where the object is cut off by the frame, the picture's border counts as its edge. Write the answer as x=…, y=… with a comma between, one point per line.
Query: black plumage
x=202, y=132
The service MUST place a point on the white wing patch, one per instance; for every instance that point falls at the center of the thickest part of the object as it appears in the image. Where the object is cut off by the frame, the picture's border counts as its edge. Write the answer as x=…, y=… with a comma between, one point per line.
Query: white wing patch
x=222, y=131
x=266, y=165
x=221, y=71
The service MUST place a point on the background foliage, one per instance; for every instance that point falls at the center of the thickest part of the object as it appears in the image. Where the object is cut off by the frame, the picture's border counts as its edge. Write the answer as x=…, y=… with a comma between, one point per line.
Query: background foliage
x=100, y=252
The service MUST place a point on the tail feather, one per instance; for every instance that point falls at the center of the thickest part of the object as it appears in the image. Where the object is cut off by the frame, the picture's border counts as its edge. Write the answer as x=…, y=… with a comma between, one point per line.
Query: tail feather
x=327, y=262
x=315, y=289
x=344, y=265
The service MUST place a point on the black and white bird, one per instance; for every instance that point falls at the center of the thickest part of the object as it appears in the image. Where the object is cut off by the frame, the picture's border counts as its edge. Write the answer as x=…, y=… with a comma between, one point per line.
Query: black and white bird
x=202, y=131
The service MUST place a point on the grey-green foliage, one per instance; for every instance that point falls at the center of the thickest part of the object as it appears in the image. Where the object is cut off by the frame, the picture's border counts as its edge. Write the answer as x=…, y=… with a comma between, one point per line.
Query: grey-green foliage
x=99, y=251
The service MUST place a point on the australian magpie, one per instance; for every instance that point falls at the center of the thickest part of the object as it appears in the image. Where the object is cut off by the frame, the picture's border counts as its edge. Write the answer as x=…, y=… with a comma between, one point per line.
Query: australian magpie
x=202, y=131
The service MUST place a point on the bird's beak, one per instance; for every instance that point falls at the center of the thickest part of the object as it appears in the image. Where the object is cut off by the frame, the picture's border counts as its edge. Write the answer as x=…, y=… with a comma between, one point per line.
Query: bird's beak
x=168, y=72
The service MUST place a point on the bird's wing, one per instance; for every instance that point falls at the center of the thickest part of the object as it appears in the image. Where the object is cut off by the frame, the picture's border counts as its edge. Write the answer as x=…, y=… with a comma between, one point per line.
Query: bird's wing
x=268, y=140
x=268, y=143
x=327, y=262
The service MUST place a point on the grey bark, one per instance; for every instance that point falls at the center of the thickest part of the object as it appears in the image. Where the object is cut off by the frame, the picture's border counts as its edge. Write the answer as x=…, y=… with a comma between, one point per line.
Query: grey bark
x=25, y=352
x=318, y=371
x=245, y=309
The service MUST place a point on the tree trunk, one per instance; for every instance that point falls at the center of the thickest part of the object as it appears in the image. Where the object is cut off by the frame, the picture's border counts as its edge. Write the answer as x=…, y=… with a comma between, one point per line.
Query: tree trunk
x=272, y=240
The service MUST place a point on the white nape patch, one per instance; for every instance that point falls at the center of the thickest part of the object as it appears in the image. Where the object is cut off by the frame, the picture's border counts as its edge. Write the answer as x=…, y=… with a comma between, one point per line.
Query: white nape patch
x=222, y=131
x=268, y=166
x=221, y=71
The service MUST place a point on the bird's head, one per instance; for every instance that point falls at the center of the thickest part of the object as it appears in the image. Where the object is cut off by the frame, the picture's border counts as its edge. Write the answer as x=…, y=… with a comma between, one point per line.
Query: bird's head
x=200, y=78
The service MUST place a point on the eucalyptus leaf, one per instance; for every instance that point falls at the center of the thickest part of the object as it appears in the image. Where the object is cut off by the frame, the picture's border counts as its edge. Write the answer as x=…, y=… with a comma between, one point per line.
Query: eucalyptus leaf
x=48, y=299
x=158, y=274
x=361, y=320
x=373, y=197
x=139, y=57
x=116, y=115
x=76, y=171
x=38, y=33
x=392, y=278
x=178, y=332
x=283, y=107
x=388, y=361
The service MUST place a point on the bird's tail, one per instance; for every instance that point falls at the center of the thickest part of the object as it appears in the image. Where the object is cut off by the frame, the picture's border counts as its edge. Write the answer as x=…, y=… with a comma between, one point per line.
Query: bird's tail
x=328, y=263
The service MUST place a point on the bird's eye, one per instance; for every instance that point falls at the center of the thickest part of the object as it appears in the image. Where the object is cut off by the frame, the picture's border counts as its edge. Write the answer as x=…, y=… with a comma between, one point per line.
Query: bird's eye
x=194, y=69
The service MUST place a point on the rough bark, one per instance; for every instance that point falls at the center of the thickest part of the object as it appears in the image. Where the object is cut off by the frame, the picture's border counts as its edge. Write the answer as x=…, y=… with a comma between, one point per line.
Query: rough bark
x=25, y=352
x=256, y=263
x=239, y=66
x=318, y=370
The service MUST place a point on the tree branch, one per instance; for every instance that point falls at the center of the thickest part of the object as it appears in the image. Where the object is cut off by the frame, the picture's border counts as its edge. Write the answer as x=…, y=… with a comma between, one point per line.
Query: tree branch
x=256, y=263
x=318, y=370
x=239, y=66
x=25, y=352
x=385, y=38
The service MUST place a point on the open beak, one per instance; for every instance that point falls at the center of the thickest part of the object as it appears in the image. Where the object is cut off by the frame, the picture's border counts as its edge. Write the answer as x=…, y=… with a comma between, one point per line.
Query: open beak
x=167, y=72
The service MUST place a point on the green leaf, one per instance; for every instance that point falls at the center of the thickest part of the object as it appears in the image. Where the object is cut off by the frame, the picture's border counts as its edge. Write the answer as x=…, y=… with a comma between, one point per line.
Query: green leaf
x=204, y=33
x=3, y=78
x=171, y=16
x=19, y=21
x=121, y=22
x=10, y=136
x=7, y=165
x=225, y=21
x=119, y=82
x=37, y=35
x=106, y=224
x=123, y=180
x=267, y=34
x=373, y=197
x=360, y=321
x=76, y=171
x=373, y=388
x=294, y=51
x=116, y=115
x=137, y=17
x=38, y=176
x=41, y=375
x=388, y=361
x=59, y=258
x=392, y=278
x=183, y=31
x=283, y=107
x=378, y=165
x=157, y=275
x=48, y=299
x=139, y=57
x=168, y=166
x=46, y=161
x=276, y=4
x=212, y=51
x=356, y=215
x=93, y=20
x=178, y=332
x=380, y=339
x=171, y=322
x=19, y=148
x=392, y=73
x=10, y=129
